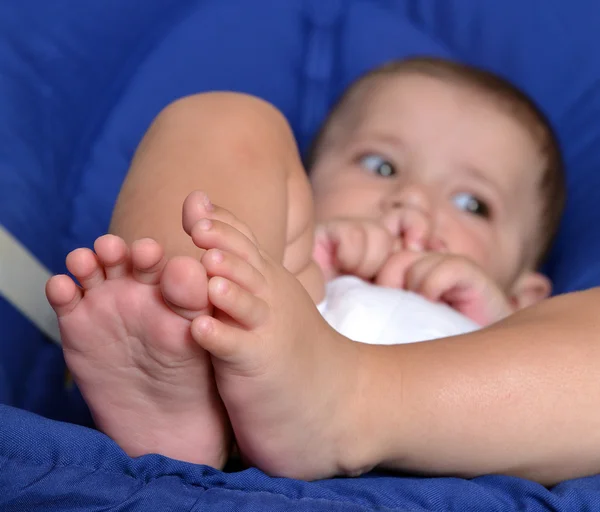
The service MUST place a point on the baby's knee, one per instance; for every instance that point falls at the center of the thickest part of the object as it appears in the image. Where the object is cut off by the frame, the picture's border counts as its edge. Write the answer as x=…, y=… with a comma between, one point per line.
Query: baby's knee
x=230, y=114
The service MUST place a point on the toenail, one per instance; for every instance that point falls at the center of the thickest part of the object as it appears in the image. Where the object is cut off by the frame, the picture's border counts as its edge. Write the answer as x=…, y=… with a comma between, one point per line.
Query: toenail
x=217, y=256
x=223, y=286
x=208, y=206
x=205, y=224
x=203, y=325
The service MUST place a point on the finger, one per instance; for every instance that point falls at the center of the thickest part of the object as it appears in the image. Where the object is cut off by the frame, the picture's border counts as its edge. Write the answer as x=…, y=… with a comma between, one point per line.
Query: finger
x=420, y=270
x=392, y=273
x=377, y=250
x=436, y=244
x=324, y=252
x=349, y=240
x=446, y=276
x=414, y=229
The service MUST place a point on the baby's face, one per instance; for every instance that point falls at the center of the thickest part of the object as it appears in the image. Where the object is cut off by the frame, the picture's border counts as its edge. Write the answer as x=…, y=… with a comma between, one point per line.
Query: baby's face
x=442, y=167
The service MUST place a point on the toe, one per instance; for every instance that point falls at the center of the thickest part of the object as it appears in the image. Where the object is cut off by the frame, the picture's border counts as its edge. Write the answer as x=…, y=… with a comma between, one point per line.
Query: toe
x=215, y=234
x=230, y=266
x=184, y=287
x=63, y=294
x=84, y=265
x=223, y=340
x=113, y=255
x=245, y=308
x=196, y=206
x=148, y=261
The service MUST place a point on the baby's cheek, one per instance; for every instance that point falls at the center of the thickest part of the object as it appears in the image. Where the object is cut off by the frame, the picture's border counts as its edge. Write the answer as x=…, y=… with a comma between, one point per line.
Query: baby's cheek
x=326, y=210
x=345, y=202
x=477, y=250
x=496, y=262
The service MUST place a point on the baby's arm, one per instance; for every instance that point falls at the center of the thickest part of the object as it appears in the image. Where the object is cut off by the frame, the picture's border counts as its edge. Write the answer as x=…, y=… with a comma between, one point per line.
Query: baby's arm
x=517, y=398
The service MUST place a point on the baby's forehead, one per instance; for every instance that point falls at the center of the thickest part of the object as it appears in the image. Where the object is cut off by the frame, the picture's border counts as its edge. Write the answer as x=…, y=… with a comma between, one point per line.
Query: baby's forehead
x=375, y=100
x=385, y=88
x=377, y=94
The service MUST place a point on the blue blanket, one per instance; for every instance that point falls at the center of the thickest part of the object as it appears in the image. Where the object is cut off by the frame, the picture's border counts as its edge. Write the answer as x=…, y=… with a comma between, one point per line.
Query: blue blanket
x=52, y=466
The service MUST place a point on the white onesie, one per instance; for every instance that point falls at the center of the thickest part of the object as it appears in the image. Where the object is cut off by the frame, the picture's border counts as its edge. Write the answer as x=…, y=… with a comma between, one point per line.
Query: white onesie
x=385, y=316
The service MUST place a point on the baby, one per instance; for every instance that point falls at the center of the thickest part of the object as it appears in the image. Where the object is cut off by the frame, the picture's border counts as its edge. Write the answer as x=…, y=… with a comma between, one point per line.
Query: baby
x=428, y=176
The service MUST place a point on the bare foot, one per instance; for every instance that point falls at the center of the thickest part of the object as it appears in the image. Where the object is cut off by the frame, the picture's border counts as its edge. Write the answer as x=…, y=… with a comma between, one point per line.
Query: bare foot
x=149, y=386
x=275, y=358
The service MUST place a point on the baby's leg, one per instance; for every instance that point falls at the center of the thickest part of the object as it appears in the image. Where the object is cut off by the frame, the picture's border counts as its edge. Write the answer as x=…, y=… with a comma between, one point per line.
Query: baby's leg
x=240, y=150
x=276, y=360
x=148, y=385
x=279, y=382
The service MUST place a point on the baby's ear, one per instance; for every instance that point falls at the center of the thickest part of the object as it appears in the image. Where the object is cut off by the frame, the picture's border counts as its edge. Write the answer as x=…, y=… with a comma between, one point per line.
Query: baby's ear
x=530, y=288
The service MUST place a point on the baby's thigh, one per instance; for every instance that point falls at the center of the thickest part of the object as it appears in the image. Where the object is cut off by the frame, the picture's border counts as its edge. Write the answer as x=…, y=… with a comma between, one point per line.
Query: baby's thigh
x=236, y=148
x=300, y=236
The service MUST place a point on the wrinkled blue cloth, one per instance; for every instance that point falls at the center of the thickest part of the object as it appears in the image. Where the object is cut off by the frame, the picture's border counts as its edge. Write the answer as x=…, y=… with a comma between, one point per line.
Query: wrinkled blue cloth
x=52, y=466
x=79, y=84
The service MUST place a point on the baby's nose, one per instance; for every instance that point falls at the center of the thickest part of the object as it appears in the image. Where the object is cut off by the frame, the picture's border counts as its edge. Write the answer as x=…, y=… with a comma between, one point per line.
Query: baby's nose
x=412, y=195
x=408, y=216
x=412, y=226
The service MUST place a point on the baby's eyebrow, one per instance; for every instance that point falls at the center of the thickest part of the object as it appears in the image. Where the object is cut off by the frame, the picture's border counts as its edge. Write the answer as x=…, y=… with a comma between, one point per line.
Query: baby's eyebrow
x=386, y=138
x=482, y=177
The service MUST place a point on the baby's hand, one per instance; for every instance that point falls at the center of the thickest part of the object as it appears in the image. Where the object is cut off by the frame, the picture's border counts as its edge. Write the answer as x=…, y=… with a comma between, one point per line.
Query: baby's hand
x=351, y=246
x=449, y=278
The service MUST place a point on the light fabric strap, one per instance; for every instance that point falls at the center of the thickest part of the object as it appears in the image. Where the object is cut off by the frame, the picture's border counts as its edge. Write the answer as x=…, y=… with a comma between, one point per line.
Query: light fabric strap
x=22, y=282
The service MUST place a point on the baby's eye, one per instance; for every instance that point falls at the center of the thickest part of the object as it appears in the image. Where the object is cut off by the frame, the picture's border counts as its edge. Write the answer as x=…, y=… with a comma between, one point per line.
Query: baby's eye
x=378, y=165
x=469, y=203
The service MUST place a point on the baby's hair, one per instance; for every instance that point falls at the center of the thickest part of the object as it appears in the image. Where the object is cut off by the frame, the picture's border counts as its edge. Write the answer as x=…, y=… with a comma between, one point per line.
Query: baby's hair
x=509, y=97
